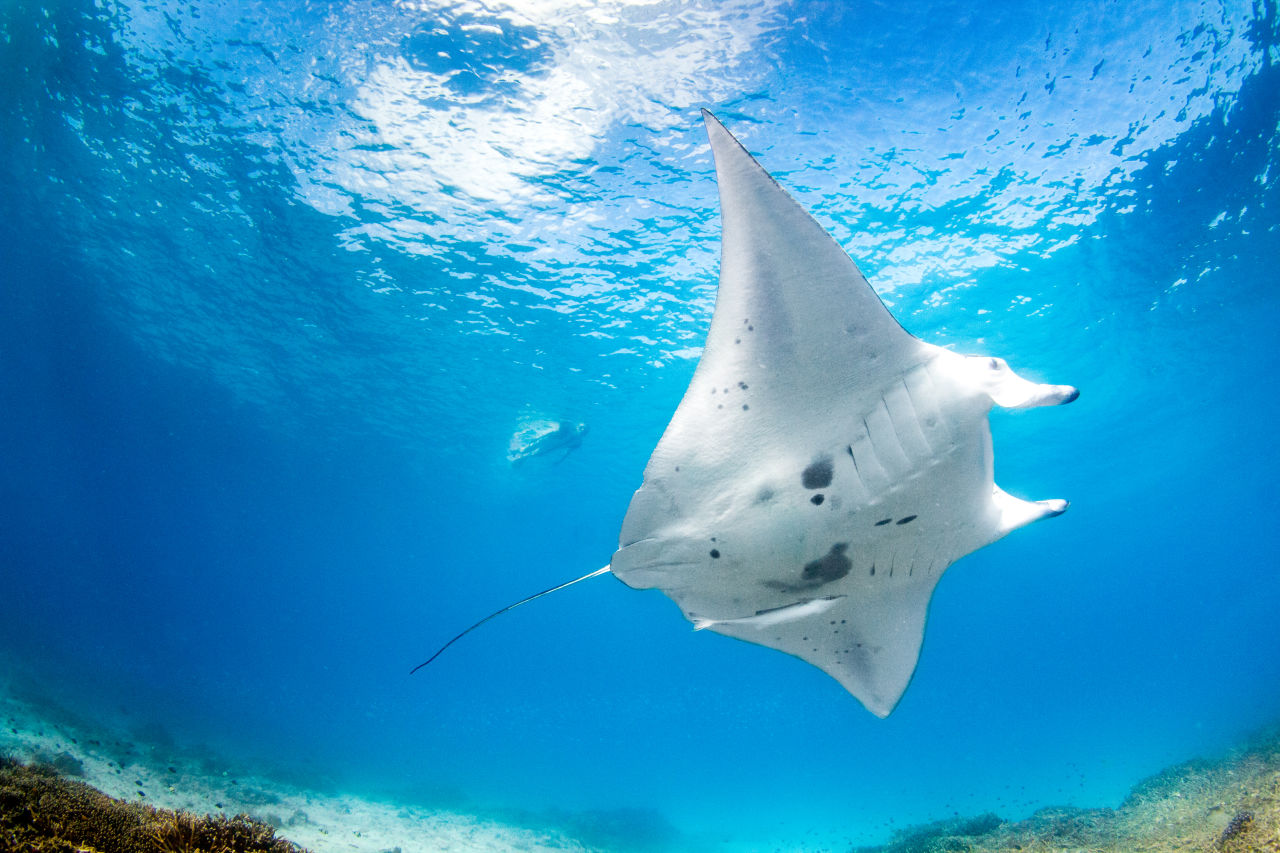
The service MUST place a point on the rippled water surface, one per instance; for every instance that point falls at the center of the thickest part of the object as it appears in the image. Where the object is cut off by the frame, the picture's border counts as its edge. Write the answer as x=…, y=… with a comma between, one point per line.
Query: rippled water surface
x=281, y=280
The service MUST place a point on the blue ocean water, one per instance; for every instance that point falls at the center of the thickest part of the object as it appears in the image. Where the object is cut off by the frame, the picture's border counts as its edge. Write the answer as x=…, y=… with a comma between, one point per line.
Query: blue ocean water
x=280, y=280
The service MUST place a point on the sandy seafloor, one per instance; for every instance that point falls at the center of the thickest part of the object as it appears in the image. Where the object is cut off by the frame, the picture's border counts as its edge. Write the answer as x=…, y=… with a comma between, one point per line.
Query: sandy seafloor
x=1221, y=804
x=166, y=777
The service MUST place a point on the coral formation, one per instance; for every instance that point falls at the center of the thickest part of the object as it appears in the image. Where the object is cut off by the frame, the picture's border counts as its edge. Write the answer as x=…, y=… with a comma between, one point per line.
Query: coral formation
x=1231, y=806
x=943, y=835
x=1238, y=825
x=1227, y=805
x=43, y=812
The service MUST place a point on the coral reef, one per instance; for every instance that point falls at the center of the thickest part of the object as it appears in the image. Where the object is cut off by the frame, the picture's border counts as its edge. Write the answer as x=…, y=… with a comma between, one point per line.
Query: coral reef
x=1228, y=806
x=41, y=811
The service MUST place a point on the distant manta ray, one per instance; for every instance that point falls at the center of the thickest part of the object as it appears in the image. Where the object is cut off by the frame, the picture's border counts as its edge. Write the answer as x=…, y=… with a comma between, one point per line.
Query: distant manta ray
x=825, y=466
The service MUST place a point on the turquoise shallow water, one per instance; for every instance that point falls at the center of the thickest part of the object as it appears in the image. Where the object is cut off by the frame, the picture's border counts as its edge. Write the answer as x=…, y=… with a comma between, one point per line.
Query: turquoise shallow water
x=281, y=280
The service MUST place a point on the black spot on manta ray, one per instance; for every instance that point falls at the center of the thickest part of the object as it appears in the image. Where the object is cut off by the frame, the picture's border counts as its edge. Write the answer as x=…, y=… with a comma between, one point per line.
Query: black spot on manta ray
x=742, y=385
x=907, y=520
x=744, y=407
x=715, y=553
x=830, y=567
x=817, y=500
x=819, y=473
x=882, y=522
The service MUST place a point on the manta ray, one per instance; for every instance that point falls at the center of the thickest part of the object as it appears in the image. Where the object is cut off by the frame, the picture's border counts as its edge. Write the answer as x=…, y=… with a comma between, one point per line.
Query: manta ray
x=825, y=467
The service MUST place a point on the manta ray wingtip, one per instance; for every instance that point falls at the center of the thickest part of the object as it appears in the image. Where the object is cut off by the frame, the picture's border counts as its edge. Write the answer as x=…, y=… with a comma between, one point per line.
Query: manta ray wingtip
x=712, y=123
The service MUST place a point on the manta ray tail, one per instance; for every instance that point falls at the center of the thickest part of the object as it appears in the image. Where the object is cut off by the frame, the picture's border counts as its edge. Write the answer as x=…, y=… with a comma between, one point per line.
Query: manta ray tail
x=440, y=651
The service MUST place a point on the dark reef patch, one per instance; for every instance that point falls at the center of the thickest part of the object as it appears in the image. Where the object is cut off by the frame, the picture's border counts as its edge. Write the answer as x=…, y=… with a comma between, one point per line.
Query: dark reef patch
x=41, y=810
x=1230, y=805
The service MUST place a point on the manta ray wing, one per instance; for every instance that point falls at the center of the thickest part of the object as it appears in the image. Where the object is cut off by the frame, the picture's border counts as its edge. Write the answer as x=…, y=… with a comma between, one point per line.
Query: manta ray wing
x=824, y=467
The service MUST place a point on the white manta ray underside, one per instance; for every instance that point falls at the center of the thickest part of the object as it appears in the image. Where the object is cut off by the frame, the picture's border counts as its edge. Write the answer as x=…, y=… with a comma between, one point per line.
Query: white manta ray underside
x=825, y=467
